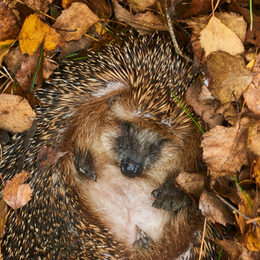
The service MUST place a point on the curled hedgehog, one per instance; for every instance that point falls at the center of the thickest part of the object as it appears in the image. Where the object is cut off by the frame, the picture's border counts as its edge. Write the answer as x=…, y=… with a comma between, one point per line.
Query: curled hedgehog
x=125, y=138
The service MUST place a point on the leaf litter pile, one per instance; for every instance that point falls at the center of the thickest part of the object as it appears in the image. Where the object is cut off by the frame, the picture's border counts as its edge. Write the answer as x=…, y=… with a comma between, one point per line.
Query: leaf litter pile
x=225, y=39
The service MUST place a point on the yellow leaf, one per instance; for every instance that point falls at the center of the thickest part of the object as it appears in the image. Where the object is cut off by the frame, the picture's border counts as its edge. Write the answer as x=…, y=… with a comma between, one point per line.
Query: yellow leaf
x=4, y=48
x=253, y=240
x=257, y=171
x=32, y=34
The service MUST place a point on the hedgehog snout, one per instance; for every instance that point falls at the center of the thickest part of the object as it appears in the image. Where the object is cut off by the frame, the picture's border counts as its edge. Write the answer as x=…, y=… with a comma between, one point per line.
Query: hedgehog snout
x=131, y=168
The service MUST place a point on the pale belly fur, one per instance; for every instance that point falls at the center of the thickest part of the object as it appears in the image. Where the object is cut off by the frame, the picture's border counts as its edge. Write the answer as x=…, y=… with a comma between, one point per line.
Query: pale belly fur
x=123, y=203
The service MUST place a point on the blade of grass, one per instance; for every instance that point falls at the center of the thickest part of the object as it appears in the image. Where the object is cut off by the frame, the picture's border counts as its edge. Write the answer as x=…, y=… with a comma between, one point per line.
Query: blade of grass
x=38, y=66
x=187, y=112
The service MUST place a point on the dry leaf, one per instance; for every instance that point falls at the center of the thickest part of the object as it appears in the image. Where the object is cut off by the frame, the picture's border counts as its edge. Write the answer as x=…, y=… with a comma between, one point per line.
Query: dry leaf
x=146, y=21
x=253, y=140
x=4, y=49
x=237, y=250
x=224, y=150
x=140, y=6
x=48, y=156
x=245, y=208
x=9, y=28
x=75, y=21
x=235, y=22
x=257, y=171
x=40, y=5
x=197, y=7
x=14, y=59
x=216, y=36
x=48, y=68
x=252, y=94
x=16, y=115
x=192, y=183
x=203, y=104
x=212, y=208
x=25, y=75
x=227, y=74
x=253, y=240
x=32, y=34
x=15, y=193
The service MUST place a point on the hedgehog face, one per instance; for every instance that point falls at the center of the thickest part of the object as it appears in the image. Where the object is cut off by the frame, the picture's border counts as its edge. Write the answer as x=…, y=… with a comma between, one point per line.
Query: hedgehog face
x=136, y=149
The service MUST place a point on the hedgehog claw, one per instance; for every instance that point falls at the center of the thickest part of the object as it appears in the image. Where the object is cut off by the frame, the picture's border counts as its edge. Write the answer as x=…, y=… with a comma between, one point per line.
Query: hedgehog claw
x=170, y=198
x=143, y=240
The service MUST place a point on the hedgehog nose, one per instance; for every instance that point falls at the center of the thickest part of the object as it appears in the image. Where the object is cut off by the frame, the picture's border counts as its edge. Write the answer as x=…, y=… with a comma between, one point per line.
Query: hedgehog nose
x=131, y=168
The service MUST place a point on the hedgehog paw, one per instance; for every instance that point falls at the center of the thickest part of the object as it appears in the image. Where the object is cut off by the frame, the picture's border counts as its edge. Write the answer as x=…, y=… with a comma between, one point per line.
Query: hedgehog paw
x=84, y=165
x=171, y=198
x=143, y=241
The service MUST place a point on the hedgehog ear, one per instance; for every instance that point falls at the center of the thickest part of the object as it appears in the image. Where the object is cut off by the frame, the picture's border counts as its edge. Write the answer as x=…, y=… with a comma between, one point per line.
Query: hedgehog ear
x=111, y=101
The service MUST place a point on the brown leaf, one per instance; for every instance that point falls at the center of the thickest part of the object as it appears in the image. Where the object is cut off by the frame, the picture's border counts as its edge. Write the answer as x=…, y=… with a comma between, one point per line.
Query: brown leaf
x=9, y=28
x=40, y=5
x=214, y=209
x=16, y=115
x=140, y=6
x=192, y=183
x=224, y=150
x=48, y=156
x=15, y=193
x=216, y=36
x=197, y=7
x=200, y=99
x=253, y=141
x=146, y=21
x=227, y=74
x=237, y=250
x=75, y=21
x=252, y=94
x=14, y=59
x=25, y=75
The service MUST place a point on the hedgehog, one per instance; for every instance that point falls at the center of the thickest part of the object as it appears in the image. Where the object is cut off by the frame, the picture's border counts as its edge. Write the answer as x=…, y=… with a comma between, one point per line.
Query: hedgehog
x=117, y=120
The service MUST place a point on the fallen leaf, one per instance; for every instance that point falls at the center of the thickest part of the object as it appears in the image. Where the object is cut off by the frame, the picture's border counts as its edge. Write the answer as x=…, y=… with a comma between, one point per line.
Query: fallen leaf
x=253, y=240
x=140, y=6
x=214, y=209
x=16, y=115
x=4, y=49
x=25, y=75
x=252, y=94
x=75, y=21
x=192, y=183
x=253, y=140
x=235, y=22
x=227, y=75
x=15, y=193
x=216, y=36
x=146, y=22
x=202, y=102
x=9, y=28
x=245, y=208
x=14, y=59
x=40, y=5
x=237, y=250
x=32, y=34
x=197, y=7
x=224, y=150
x=48, y=156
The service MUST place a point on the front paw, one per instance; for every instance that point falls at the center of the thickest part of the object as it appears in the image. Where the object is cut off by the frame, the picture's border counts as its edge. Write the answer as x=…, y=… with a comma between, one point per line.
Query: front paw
x=84, y=165
x=143, y=241
x=170, y=198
